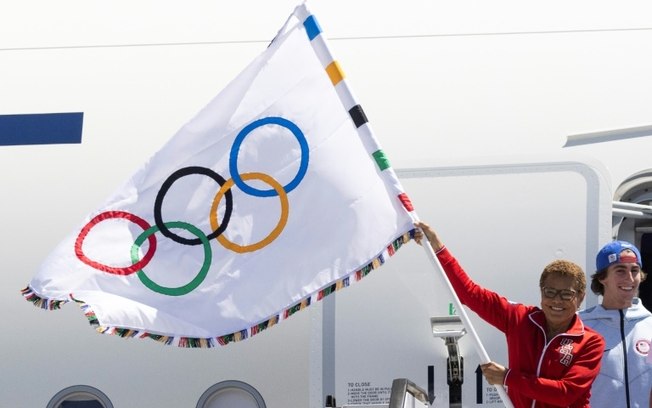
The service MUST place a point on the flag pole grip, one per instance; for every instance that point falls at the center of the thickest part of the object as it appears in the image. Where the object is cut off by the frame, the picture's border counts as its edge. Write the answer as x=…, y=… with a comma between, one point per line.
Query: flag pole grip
x=484, y=357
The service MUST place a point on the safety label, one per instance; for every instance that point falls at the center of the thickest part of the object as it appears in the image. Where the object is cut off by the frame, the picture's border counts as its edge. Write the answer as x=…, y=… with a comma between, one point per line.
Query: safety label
x=366, y=393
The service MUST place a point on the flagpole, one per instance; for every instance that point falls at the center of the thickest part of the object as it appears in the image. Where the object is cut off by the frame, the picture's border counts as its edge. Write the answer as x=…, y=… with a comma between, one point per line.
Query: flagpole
x=318, y=43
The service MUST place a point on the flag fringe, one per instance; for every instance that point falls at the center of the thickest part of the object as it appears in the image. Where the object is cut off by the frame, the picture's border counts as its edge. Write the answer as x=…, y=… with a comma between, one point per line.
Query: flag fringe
x=42, y=303
x=210, y=342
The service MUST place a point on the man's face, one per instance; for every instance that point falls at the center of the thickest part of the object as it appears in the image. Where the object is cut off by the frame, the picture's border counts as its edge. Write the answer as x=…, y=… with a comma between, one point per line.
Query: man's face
x=621, y=282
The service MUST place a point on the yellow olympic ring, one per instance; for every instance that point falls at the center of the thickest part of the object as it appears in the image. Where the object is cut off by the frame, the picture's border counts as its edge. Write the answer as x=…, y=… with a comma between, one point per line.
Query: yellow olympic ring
x=272, y=235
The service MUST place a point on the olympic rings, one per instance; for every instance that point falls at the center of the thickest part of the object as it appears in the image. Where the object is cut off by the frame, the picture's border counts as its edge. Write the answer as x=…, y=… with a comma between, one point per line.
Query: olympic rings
x=190, y=286
x=218, y=228
x=112, y=269
x=233, y=158
x=272, y=235
x=166, y=186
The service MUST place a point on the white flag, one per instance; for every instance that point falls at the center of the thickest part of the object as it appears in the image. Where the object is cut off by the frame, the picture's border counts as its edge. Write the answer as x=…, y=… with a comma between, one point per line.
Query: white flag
x=273, y=196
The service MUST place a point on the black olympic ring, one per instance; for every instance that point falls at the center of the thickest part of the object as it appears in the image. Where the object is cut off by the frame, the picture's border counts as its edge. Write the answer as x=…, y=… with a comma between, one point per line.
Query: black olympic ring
x=158, y=219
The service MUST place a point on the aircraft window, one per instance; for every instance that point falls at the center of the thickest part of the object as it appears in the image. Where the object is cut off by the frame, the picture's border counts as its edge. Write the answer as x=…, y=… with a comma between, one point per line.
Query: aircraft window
x=231, y=394
x=81, y=404
x=80, y=396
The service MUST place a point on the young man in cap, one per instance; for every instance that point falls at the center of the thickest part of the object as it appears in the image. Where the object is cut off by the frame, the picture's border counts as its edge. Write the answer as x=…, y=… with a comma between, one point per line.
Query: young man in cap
x=625, y=378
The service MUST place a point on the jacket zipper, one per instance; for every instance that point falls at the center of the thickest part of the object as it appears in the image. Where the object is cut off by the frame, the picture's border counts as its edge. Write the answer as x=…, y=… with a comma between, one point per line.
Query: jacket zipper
x=624, y=344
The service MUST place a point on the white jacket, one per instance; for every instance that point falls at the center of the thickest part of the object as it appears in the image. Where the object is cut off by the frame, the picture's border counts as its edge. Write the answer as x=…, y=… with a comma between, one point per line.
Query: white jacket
x=618, y=378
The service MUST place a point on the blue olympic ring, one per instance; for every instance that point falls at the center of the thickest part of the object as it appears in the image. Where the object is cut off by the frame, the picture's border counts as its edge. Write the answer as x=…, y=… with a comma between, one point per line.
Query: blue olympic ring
x=233, y=158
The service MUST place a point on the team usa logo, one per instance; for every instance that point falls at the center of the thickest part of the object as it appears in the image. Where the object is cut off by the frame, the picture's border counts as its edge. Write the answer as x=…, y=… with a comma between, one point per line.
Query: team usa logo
x=223, y=195
x=566, y=352
x=642, y=347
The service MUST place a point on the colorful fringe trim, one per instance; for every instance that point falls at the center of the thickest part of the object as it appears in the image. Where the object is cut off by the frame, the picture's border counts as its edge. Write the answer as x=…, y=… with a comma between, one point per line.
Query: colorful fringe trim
x=40, y=302
x=192, y=342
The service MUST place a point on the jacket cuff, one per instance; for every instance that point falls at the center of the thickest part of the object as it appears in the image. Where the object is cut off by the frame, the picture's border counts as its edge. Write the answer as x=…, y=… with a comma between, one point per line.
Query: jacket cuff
x=506, y=376
x=444, y=255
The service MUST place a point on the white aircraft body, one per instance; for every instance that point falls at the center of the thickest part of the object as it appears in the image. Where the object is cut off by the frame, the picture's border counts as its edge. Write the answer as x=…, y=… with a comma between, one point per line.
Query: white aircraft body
x=522, y=133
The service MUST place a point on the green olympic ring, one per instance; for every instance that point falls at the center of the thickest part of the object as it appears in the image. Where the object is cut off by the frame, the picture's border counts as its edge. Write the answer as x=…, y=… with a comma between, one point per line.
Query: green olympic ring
x=190, y=286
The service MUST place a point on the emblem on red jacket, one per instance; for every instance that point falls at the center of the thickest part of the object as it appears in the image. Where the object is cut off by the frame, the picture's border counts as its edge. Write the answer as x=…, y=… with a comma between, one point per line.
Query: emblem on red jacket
x=566, y=351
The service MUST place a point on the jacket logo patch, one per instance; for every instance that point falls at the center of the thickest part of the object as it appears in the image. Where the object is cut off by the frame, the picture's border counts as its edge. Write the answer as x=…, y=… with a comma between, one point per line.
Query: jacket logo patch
x=642, y=347
x=566, y=352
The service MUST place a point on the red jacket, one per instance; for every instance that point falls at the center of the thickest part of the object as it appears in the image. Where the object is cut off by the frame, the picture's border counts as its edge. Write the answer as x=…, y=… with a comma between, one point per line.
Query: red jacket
x=557, y=374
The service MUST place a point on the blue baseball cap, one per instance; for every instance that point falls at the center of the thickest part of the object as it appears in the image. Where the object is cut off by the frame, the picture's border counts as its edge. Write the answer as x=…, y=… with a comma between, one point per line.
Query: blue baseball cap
x=610, y=254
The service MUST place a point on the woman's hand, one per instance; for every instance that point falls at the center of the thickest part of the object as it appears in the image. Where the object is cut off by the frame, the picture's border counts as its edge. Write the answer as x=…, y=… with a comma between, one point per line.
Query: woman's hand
x=494, y=373
x=430, y=234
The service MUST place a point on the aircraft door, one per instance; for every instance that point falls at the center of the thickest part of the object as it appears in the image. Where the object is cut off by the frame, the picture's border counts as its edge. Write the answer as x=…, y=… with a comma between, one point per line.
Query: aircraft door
x=632, y=221
x=645, y=290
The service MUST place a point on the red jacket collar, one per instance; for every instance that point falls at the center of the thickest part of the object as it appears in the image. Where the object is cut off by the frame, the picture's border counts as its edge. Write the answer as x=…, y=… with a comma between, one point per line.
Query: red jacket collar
x=576, y=327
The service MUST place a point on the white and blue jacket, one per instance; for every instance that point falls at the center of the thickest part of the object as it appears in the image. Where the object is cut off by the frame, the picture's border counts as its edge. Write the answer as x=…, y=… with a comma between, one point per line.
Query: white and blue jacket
x=625, y=378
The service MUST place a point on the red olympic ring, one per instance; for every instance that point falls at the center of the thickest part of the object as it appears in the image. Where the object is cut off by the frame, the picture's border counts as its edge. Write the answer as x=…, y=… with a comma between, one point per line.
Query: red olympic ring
x=127, y=270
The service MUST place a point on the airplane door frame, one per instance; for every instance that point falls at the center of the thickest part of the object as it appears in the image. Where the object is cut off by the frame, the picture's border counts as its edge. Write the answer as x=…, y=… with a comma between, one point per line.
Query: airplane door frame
x=637, y=189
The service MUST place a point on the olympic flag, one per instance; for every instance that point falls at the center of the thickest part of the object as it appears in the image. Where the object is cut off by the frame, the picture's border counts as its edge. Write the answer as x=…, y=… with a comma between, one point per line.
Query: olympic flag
x=273, y=196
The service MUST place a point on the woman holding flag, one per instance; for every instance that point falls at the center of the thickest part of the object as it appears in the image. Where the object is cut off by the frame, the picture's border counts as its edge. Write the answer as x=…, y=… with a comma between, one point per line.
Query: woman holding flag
x=553, y=357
